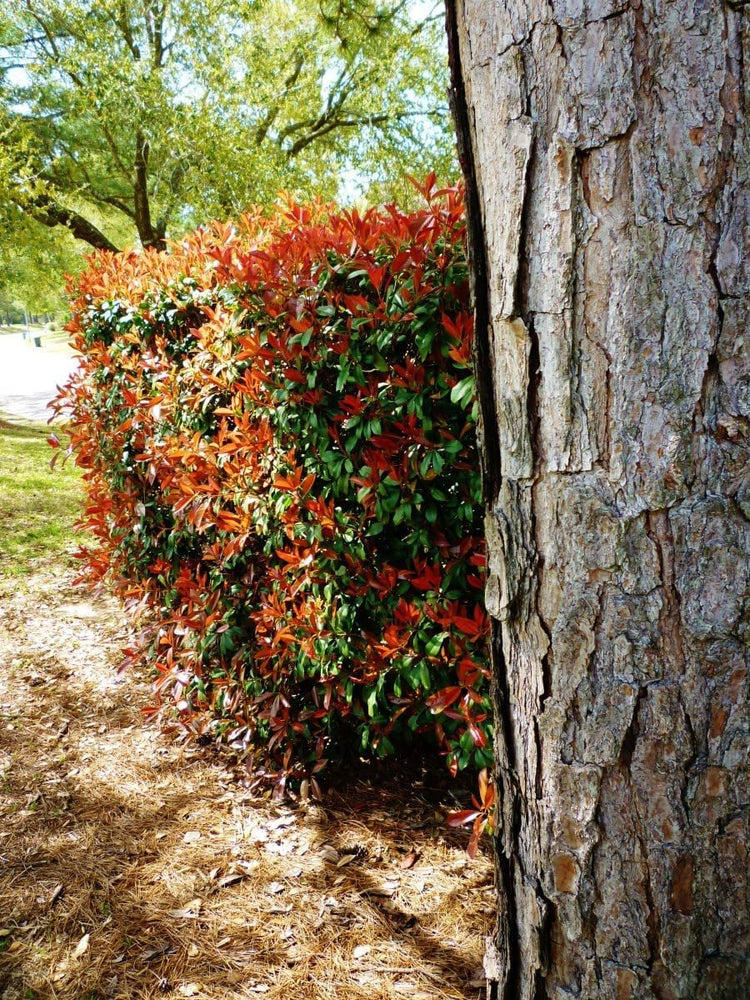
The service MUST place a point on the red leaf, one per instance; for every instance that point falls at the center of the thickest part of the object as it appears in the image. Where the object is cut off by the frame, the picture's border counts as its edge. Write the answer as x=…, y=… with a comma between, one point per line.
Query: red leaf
x=476, y=833
x=441, y=700
x=477, y=735
x=483, y=782
x=409, y=860
x=463, y=817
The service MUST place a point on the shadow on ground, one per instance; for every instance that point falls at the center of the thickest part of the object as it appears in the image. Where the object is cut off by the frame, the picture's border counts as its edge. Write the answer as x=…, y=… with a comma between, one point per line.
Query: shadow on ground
x=132, y=867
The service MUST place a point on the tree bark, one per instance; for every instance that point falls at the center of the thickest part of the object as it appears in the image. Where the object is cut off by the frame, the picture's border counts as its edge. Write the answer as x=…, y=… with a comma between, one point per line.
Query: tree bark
x=605, y=149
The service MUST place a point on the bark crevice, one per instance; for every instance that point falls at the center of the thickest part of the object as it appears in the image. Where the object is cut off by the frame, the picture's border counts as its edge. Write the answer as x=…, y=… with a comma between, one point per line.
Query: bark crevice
x=509, y=816
x=477, y=254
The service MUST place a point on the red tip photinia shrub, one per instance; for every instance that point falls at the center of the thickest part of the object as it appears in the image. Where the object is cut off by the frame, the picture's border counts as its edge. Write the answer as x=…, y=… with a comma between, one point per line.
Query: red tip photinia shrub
x=276, y=426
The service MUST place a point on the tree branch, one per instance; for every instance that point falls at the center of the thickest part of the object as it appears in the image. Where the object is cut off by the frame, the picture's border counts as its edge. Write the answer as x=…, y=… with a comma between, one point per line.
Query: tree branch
x=273, y=111
x=50, y=213
x=319, y=129
x=122, y=20
x=76, y=79
x=115, y=202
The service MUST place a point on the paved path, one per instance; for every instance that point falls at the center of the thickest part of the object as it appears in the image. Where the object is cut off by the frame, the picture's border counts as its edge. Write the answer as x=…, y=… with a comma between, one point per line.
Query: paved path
x=29, y=377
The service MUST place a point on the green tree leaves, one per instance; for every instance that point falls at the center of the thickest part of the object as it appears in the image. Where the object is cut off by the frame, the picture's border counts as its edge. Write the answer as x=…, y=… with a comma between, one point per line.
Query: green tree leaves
x=125, y=121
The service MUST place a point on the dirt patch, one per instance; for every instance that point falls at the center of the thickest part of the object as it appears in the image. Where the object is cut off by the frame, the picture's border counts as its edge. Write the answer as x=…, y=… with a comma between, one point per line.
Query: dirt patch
x=133, y=867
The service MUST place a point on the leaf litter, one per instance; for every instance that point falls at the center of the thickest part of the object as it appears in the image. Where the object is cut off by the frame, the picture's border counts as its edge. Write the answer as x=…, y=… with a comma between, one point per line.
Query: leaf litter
x=133, y=867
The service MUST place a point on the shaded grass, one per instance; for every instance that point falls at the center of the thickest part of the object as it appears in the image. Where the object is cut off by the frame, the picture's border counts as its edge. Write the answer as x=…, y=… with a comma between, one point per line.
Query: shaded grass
x=38, y=505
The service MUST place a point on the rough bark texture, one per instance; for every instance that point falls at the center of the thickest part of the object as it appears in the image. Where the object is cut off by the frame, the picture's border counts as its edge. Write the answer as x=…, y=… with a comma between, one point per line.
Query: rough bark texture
x=605, y=147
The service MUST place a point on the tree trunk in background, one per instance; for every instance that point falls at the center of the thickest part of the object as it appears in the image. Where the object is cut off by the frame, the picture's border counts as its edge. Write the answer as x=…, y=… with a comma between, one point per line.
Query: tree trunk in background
x=605, y=149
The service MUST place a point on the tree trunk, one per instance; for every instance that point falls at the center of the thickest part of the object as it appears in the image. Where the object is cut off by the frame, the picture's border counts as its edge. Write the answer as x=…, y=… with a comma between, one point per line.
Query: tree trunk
x=148, y=235
x=605, y=149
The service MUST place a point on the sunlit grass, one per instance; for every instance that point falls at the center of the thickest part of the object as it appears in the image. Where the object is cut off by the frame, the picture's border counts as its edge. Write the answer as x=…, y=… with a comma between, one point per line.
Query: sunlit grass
x=55, y=340
x=38, y=505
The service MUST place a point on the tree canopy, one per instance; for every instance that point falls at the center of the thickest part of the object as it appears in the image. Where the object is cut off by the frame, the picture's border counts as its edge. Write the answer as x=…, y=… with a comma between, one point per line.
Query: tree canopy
x=125, y=121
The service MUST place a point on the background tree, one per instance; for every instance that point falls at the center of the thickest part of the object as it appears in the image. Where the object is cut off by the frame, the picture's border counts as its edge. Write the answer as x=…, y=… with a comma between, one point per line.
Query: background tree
x=605, y=147
x=31, y=268
x=140, y=120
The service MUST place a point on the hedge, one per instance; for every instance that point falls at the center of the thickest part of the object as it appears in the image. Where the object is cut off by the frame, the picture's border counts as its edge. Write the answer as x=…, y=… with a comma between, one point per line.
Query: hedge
x=276, y=423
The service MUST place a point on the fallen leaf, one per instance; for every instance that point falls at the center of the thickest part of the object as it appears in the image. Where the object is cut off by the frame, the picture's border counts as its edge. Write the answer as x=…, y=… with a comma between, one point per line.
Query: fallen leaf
x=329, y=853
x=152, y=953
x=188, y=989
x=56, y=893
x=280, y=908
x=193, y=949
x=345, y=859
x=189, y=911
x=5, y=931
x=82, y=947
x=361, y=950
x=276, y=887
x=192, y=837
x=161, y=834
x=287, y=846
x=406, y=987
x=232, y=879
x=281, y=822
x=410, y=859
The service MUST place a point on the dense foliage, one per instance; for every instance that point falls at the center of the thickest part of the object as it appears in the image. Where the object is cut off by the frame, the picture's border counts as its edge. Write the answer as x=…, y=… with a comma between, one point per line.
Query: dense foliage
x=124, y=122
x=276, y=428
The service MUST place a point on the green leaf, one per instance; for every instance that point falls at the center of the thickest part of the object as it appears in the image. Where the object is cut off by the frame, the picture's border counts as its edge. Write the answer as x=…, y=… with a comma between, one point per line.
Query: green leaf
x=434, y=645
x=463, y=391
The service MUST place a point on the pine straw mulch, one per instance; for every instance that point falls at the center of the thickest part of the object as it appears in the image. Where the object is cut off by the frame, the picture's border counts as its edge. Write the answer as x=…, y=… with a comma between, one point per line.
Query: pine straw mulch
x=133, y=867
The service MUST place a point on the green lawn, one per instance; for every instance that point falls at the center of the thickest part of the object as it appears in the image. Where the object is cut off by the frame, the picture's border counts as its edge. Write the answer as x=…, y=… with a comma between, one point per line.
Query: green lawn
x=38, y=505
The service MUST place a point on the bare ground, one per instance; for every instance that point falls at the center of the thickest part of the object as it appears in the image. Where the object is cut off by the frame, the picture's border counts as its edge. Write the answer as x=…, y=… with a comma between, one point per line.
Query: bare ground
x=131, y=866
